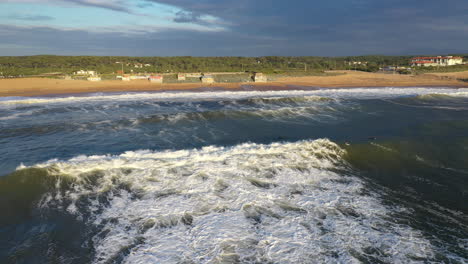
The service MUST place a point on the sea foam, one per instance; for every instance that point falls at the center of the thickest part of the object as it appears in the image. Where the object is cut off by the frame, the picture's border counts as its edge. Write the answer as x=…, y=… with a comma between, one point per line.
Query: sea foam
x=283, y=202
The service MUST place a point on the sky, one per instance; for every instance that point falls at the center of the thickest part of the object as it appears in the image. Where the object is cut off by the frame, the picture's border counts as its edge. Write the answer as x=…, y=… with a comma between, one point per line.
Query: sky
x=233, y=28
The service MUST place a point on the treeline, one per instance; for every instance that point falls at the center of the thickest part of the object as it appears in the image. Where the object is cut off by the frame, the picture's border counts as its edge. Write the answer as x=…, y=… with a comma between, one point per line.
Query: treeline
x=42, y=64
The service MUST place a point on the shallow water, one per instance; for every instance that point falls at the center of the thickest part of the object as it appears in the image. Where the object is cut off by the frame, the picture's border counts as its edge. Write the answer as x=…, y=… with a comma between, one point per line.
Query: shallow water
x=372, y=175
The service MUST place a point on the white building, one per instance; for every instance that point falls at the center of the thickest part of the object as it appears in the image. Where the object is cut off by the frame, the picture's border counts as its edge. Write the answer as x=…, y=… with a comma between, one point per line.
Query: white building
x=436, y=61
x=82, y=72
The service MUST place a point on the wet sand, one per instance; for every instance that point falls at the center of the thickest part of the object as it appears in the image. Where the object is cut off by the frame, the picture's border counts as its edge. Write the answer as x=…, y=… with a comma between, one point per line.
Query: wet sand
x=42, y=86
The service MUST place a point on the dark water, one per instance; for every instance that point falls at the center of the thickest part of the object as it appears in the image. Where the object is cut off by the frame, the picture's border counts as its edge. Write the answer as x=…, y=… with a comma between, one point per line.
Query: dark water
x=354, y=175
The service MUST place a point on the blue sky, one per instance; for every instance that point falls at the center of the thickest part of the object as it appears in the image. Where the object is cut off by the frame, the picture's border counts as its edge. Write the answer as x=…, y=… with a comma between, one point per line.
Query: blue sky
x=233, y=28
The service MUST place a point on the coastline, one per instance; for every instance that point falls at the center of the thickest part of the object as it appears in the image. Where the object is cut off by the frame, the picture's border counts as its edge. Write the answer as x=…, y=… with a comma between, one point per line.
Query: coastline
x=41, y=86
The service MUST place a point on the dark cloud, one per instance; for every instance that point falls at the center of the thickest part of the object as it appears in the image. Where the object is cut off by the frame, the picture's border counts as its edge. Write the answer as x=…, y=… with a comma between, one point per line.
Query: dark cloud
x=304, y=16
x=27, y=41
x=187, y=17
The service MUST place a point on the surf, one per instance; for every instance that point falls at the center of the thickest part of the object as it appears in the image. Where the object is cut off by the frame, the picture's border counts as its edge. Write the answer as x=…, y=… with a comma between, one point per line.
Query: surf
x=245, y=202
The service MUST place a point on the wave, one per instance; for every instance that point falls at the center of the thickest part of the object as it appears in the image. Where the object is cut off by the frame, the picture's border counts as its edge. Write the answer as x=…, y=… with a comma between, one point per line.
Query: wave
x=164, y=96
x=280, y=100
x=380, y=92
x=284, y=114
x=282, y=202
x=277, y=114
x=22, y=189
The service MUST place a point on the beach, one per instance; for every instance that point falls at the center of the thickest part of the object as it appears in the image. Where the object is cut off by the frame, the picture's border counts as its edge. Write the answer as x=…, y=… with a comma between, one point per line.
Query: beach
x=44, y=86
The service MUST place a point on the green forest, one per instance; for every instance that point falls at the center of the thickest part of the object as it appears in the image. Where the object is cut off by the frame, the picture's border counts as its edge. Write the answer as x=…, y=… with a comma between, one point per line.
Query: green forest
x=17, y=66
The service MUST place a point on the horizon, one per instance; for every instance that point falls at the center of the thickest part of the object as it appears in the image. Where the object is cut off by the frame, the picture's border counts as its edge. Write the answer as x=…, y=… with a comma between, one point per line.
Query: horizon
x=462, y=54
x=209, y=28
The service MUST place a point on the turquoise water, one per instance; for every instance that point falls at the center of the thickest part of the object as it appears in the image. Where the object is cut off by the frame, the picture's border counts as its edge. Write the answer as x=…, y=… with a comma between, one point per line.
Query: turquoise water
x=371, y=175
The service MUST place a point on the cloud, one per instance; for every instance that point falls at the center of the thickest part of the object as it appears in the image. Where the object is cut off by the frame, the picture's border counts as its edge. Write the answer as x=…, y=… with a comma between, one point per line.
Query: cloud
x=270, y=27
x=182, y=42
x=186, y=17
x=30, y=17
x=115, y=5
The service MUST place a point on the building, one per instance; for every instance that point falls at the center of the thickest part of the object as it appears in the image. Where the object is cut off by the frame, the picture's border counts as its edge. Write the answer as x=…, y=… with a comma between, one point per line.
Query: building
x=436, y=61
x=139, y=77
x=207, y=79
x=193, y=75
x=141, y=65
x=357, y=62
x=156, y=78
x=82, y=72
x=94, y=79
x=181, y=77
x=259, y=77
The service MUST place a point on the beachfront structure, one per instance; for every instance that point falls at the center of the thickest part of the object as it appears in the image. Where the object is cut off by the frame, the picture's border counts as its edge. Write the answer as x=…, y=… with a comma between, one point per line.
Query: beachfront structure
x=82, y=72
x=193, y=75
x=156, y=78
x=259, y=77
x=436, y=61
x=181, y=77
x=94, y=79
x=139, y=77
x=207, y=79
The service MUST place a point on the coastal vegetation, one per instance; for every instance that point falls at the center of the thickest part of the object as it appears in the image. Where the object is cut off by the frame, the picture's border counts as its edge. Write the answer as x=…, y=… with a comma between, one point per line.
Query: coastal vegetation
x=50, y=65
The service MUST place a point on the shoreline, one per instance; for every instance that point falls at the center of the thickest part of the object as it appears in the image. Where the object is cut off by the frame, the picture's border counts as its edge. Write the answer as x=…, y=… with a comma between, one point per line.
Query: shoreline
x=41, y=87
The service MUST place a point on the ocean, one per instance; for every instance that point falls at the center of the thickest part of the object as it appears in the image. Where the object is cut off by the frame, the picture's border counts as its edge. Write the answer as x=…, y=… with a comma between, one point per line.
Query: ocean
x=306, y=175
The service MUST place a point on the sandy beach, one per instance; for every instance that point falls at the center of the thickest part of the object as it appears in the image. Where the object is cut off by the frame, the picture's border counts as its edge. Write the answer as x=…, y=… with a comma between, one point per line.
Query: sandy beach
x=43, y=86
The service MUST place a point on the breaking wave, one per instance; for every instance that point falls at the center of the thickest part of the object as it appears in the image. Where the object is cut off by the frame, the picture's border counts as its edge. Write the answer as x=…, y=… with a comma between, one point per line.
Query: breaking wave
x=252, y=203
x=378, y=92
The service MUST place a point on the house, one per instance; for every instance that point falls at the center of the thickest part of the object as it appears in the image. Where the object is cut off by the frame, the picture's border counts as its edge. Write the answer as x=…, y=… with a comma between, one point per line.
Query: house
x=141, y=65
x=436, y=61
x=156, y=78
x=181, y=77
x=207, y=79
x=259, y=77
x=82, y=72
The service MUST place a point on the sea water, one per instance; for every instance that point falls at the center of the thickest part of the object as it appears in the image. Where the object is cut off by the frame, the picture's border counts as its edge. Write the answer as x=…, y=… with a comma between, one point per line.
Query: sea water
x=362, y=175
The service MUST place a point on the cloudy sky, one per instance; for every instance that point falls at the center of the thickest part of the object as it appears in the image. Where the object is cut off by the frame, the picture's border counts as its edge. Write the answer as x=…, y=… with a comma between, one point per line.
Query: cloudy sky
x=233, y=28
